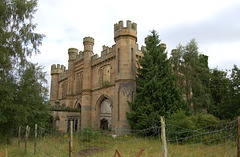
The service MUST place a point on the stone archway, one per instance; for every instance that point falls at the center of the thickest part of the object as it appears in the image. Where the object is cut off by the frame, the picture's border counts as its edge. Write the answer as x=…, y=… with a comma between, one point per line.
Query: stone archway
x=105, y=112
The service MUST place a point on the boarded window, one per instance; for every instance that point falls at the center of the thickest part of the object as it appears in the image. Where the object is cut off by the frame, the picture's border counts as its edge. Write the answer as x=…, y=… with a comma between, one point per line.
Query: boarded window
x=79, y=83
x=105, y=75
x=64, y=90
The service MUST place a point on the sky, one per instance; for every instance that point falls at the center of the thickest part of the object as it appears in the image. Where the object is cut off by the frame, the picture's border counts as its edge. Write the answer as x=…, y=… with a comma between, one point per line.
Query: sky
x=214, y=24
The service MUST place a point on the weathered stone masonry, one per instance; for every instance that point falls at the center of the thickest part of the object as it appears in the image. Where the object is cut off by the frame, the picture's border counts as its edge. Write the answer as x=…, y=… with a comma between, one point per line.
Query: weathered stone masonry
x=98, y=86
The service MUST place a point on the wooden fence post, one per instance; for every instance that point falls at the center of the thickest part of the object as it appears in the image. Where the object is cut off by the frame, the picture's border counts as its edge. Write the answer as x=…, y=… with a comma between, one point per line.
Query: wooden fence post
x=163, y=136
x=6, y=150
x=26, y=138
x=238, y=138
x=35, y=142
x=71, y=138
x=19, y=136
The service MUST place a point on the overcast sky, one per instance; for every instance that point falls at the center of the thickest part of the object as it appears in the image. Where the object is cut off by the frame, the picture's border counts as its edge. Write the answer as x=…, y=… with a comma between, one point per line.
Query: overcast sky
x=215, y=24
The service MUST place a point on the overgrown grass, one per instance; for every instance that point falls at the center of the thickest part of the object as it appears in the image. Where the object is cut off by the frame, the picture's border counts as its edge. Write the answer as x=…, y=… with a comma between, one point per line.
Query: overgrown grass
x=104, y=145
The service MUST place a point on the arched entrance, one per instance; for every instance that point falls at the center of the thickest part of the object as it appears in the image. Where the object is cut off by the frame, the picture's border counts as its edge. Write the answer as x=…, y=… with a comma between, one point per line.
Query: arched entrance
x=106, y=114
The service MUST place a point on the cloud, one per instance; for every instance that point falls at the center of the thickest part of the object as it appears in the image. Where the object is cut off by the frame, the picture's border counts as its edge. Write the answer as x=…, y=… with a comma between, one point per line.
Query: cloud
x=222, y=28
x=214, y=24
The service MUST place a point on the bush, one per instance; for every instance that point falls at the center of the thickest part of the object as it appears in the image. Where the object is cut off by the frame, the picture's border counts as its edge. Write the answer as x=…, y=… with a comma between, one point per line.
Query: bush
x=179, y=126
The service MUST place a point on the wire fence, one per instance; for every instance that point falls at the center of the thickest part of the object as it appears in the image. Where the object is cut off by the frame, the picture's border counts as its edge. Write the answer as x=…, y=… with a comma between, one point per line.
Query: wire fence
x=215, y=141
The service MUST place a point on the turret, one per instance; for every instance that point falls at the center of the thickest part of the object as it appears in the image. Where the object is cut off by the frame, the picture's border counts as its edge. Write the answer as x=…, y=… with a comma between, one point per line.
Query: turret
x=88, y=43
x=55, y=72
x=126, y=47
x=130, y=30
x=72, y=53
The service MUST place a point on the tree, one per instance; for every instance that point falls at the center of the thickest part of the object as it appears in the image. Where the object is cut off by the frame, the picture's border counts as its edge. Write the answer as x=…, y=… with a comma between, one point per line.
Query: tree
x=25, y=102
x=22, y=91
x=219, y=85
x=229, y=107
x=17, y=39
x=195, y=77
x=157, y=93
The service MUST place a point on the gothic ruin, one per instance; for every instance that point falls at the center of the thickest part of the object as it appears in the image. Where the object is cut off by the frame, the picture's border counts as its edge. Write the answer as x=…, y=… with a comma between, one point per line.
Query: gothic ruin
x=93, y=91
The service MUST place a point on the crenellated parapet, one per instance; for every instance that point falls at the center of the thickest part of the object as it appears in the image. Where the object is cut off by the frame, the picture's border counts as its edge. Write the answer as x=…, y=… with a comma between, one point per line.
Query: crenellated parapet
x=57, y=69
x=72, y=53
x=120, y=30
x=105, y=50
x=163, y=46
x=63, y=75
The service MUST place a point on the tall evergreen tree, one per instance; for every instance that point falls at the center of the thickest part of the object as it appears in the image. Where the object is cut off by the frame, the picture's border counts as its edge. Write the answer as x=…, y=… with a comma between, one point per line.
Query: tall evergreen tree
x=157, y=92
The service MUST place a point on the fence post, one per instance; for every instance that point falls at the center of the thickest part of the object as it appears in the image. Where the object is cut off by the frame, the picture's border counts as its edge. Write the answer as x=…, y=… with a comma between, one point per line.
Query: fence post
x=26, y=138
x=6, y=150
x=19, y=136
x=163, y=137
x=35, y=142
x=238, y=138
x=71, y=138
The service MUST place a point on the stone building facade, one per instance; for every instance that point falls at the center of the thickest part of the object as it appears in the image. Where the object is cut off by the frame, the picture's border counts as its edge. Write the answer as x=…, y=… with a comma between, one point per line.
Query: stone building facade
x=99, y=87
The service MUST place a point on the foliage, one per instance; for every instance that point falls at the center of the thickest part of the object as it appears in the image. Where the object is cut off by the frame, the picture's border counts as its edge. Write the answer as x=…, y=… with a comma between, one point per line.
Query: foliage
x=17, y=38
x=105, y=83
x=192, y=70
x=229, y=107
x=23, y=96
x=25, y=102
x=219, y=84
x=157, y=93
x=181, y=125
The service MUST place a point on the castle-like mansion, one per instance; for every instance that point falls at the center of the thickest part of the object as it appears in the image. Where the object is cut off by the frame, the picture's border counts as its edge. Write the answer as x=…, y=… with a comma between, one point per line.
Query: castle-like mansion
x=98, y=86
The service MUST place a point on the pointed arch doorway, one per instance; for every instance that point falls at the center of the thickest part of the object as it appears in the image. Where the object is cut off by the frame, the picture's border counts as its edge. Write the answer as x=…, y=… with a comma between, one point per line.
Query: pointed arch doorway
x=105, y=114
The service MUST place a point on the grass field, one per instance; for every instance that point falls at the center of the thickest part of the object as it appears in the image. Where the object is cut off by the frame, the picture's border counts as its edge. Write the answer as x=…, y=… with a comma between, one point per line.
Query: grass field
x=102, y=145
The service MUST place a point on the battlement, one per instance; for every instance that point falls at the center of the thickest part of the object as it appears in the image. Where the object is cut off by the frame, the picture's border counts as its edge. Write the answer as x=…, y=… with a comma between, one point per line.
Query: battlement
x=105, y=51
x=63, y=75
x=174, y=52
x=88, y=39
x=57, y=69
x=88, y=43
x=72, y=50
x=120, y=30
x=72, y=53
x=163, y=46
x=80, y=55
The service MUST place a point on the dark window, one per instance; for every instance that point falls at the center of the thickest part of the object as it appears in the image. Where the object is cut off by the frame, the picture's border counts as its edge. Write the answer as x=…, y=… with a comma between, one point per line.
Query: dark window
x=118, y=106
x=132, y=58
x=75, y=124
x=118, y=60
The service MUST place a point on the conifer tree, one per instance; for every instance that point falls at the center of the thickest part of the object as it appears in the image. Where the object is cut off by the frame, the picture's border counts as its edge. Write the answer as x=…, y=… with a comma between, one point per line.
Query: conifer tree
x=157, y=91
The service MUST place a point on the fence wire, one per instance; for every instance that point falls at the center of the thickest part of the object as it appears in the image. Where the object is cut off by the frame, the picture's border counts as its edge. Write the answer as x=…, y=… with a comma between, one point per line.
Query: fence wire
x=215, y=141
